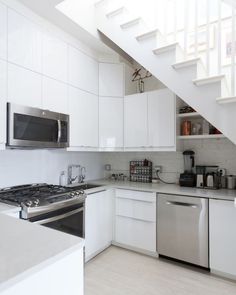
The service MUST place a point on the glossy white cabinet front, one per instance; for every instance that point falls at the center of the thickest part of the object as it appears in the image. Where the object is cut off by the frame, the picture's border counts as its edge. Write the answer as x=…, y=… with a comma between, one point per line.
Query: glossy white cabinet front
x=24, y=42
x=223, y=237
x=83, y=71
x=24, y=87
x=3, y=96
x=111, y=80
x=55, y=58
x=83, y=111
x=111, y=122
x=98, y=223
x=3, y=31
x=135, y=121
x=161, y=119
x=55, y=96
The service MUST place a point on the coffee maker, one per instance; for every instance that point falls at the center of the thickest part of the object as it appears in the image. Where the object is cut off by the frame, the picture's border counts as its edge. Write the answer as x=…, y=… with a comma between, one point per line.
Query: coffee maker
x=188, y=178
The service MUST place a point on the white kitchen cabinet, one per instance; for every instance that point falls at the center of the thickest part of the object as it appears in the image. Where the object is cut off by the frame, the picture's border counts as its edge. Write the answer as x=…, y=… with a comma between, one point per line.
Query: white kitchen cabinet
x=3, y=31
x=3, y=96
x=55, y=58
x=55, y=96
x=223, y=238
x=135, y=220
x=24, y=87
x=111, y=80
x=83, y=111
x=161, y=119
x=83, y=71
x=24, y=42
x=111, y=122
x=136, y=121
x=98, y=223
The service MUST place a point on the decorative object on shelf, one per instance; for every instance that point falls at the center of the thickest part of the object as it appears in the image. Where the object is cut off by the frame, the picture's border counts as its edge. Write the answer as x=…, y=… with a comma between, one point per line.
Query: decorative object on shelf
x=137, y=76
x=186, y=109
x=186, y=128
x=141, y=171
x=196, y=129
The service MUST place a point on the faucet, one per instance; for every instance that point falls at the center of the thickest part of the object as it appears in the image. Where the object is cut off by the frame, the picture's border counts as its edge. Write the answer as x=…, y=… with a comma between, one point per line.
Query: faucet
x=71, y=179
x=82, y=174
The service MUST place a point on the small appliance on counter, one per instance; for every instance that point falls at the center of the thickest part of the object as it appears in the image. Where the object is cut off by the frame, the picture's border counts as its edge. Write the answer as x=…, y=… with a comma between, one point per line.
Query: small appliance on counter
x=141, y=171
x=188, y=178
x=208, y=177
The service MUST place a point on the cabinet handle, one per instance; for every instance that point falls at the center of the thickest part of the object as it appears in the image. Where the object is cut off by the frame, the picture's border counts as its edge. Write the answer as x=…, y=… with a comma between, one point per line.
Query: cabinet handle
x=137, y=219
x=140, y=201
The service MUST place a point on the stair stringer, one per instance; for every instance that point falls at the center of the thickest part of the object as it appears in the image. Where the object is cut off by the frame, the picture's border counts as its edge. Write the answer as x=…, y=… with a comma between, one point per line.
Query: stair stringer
x=201, y=98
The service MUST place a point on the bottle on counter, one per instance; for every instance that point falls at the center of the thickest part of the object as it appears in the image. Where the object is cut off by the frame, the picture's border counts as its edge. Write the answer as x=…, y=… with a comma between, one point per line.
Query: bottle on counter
x=62, y=179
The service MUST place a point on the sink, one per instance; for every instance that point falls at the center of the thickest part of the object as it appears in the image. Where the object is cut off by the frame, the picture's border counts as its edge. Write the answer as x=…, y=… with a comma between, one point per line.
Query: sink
x=86, y=186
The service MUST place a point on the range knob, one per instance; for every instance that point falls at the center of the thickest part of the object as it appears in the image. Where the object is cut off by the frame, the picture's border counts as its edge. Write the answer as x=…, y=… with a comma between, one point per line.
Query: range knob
x=28, y=203
x=36, y=202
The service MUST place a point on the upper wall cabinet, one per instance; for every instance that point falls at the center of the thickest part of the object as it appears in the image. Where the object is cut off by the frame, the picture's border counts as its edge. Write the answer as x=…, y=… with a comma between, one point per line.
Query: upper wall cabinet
x=24, y=42
x=3, y=96
x=3, y=31
x=111, y=122
x=83, y=111
x=24, y=87
x=83, y=71
x=55, y=58
x=111, y=80
x=135, y=121
x=161, y=119
x=55, y=95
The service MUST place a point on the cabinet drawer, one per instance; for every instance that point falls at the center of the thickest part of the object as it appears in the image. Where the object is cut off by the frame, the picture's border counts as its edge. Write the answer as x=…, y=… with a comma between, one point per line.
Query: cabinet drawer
x=136, y=195
x=136, y=233
x=136, y=209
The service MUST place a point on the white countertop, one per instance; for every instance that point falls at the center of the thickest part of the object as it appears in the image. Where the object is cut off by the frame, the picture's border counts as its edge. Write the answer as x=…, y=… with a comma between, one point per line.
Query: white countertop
x=4, y=208
x=26, y=248
x=222, y=194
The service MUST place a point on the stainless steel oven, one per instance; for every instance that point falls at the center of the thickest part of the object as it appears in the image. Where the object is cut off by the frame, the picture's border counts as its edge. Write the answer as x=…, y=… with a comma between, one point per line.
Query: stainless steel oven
x=69, y=220
x=36, y=128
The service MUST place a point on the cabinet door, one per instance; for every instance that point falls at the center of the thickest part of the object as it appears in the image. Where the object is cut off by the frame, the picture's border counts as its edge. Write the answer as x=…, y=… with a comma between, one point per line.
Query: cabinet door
x=111, y=79
x=111, y=124
x=55, y=96
x=135, y=120
x=83, y=71
x=223, y=237
x=83, y=110
x=3, y=31
x=3, y=96
x=161, y=119
x=98, y=223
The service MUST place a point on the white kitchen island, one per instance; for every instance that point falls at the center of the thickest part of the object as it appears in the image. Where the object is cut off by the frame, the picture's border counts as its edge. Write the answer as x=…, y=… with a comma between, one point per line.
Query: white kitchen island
x=38, y=260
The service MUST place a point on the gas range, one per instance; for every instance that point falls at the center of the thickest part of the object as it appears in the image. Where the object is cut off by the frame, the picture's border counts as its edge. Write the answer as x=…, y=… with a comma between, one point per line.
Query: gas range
x=40, y=199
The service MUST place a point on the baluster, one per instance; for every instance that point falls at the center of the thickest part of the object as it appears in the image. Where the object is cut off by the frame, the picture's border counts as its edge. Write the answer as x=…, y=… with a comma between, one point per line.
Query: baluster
x=208, y=36
x=219, y=25
x=233, y=54
x=186, y=24
x=196, y=30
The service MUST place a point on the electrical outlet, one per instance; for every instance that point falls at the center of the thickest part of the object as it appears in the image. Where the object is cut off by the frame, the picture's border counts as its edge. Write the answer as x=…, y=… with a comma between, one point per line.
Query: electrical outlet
x=158, y=169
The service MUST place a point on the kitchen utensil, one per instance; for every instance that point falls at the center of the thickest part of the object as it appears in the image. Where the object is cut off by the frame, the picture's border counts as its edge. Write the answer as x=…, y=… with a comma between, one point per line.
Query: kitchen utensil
x=188, y=178
x=231, y=182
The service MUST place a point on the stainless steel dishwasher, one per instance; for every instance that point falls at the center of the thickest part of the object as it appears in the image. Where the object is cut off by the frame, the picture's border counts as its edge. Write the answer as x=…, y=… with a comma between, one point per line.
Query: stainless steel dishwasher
x=182, y=228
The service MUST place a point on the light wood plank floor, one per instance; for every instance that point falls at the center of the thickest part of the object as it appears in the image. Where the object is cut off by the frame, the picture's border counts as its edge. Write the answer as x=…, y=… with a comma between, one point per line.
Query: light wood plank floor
x=120, y=272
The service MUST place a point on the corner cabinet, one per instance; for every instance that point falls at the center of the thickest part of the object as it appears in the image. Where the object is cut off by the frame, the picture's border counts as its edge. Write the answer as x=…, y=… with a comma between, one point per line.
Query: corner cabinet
x=98, y=222
x=150, y=121
x=223, y=238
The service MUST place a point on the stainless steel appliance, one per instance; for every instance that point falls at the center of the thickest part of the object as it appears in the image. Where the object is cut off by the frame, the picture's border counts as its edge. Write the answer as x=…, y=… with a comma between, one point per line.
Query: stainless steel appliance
x=188, y=178
x=182, y=228
x=57, y=207
x=208, y=177
x=36, y=128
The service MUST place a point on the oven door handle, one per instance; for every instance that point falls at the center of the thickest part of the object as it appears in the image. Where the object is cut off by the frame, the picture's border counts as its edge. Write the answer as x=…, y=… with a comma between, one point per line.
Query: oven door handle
x=59, y=131
x=55, y=218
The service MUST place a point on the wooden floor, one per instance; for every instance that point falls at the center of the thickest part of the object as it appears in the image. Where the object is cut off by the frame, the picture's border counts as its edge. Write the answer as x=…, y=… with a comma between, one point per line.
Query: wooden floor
x=120, y=272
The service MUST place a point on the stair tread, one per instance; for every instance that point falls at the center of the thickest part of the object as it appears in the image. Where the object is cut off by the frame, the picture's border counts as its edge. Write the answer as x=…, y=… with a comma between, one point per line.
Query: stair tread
x=186, y=63
x=130, y=22
x=148, y=34
x=209, y=79
x=115, y=11
x=226, y=99
x=165, y=48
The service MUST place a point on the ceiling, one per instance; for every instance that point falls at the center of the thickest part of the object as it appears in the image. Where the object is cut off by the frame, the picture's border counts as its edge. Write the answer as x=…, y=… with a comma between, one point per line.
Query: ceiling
x=46, y=9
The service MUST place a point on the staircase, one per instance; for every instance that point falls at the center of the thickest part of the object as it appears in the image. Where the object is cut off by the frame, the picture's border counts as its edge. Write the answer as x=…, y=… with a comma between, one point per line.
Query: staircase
x=183, y=43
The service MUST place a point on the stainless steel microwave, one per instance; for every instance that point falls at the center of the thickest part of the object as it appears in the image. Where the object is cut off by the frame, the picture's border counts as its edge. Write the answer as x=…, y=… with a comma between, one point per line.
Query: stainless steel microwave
x=36, y=128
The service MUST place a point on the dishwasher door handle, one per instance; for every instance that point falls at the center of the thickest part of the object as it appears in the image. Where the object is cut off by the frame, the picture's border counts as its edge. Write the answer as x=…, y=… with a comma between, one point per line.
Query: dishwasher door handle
x=194, y=206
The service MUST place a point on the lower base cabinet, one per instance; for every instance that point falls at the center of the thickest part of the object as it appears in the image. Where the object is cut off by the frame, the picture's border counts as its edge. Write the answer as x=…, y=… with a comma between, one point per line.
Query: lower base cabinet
x=135, y=220
x=223, y=238
x=98, y=223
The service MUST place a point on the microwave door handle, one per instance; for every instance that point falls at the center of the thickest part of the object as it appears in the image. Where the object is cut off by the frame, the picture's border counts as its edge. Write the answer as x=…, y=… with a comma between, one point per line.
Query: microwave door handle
x=59, y=131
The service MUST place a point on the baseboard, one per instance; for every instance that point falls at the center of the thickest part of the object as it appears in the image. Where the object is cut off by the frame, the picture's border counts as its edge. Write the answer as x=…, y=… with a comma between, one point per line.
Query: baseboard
x=134, y=249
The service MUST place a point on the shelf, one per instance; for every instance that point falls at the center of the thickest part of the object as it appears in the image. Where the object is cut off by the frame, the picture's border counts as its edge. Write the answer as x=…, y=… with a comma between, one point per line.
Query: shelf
x=188, y=115
x=210, y=136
